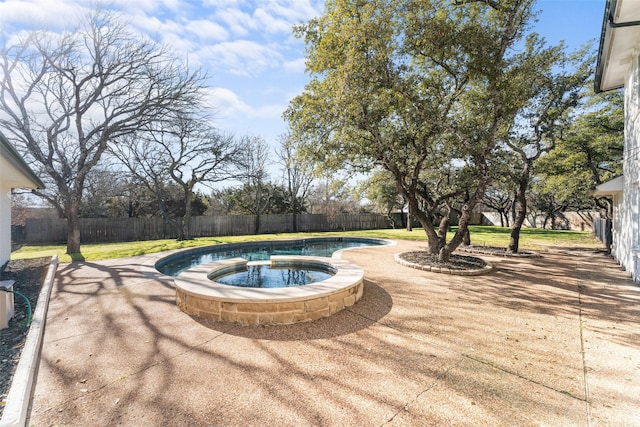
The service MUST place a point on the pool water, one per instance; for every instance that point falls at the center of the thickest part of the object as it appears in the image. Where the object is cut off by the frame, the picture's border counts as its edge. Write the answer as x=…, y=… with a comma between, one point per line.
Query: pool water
x=264, y=276
x=260, y=251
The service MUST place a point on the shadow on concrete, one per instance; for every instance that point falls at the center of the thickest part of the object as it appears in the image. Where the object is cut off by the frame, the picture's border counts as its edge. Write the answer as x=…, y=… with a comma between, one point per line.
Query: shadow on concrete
x=438, y=349
x=372, y=307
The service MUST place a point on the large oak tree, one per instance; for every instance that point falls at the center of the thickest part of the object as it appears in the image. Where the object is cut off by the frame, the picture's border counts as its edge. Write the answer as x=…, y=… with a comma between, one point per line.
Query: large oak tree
x=416, y=87
x=555, y=84
x=66, y=97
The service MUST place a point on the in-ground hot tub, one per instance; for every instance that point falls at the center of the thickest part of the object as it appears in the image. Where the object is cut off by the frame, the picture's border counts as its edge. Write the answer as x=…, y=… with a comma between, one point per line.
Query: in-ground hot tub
x=198, y=294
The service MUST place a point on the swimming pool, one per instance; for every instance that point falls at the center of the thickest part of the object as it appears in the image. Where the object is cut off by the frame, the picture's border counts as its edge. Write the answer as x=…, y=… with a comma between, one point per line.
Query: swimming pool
x=176, y=263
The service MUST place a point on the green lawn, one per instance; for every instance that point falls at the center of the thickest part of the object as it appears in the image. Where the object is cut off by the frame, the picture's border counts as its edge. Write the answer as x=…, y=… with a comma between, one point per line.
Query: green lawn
x=530, y=238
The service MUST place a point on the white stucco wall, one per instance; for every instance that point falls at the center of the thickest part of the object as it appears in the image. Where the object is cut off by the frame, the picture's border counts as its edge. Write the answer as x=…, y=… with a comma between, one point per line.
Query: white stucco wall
x=626, y=218
x=5, y=222
x=12, y=175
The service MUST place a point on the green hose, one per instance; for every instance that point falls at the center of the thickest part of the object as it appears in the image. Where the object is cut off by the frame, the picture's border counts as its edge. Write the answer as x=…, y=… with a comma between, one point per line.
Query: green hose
x=26, y=300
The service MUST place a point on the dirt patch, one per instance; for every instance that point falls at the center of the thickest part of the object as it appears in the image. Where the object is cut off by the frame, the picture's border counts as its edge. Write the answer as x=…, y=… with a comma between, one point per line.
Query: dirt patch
x=29, y=275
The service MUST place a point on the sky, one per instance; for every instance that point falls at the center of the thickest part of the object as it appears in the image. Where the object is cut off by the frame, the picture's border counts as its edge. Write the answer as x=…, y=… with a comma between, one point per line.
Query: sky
x=255, y=64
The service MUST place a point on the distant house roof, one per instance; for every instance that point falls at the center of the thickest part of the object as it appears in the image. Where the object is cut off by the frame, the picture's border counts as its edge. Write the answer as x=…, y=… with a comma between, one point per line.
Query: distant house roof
x=14, y=170
x=610, y=187
x=618, y=41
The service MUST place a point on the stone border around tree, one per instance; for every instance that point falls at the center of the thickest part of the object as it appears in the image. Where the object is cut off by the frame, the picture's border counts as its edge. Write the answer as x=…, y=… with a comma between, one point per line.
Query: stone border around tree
x=475, y=272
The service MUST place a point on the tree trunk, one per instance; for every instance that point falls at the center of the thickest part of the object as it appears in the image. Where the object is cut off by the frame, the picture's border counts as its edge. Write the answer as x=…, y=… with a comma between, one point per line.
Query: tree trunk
x=520, y=210
x=403, y=218
x=185, y=224
x=256, y=229
x=466, y=239
x=73, y=236
x=444, y=254
x=465, y=217
x=443, y=227
x=73, y=225
x=424, y=218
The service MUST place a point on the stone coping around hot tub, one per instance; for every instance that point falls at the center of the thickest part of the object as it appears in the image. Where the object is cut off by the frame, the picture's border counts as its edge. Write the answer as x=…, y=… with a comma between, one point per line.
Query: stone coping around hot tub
x=199, y=296
x=196, y=280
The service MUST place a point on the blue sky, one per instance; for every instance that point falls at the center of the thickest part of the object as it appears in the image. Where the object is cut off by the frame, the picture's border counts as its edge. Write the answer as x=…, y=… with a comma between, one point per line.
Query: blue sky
x=255, y=64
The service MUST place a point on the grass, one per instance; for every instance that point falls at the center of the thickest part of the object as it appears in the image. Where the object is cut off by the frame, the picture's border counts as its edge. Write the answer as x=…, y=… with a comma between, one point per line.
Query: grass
x=530, y=238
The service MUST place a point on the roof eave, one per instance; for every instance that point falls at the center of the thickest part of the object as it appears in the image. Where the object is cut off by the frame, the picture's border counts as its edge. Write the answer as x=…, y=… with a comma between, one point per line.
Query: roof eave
x=605, y=44
x=610, y=188
x=7, y=150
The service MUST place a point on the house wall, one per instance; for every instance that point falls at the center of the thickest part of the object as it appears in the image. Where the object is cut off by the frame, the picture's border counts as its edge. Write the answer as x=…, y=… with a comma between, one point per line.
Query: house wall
x=626, y=215
x=5, y=222
x=12, y=175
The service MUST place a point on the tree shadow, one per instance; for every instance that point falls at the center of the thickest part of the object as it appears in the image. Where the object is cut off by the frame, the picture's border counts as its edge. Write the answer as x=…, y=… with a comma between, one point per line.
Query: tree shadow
x=567, y=283
x=375, y=304
x=118, y=351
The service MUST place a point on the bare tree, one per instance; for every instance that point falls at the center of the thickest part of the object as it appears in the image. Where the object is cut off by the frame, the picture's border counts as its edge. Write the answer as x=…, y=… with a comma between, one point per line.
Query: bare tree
x=254, y=174
x=297, y=177
x=185, y=151
x=67, y=97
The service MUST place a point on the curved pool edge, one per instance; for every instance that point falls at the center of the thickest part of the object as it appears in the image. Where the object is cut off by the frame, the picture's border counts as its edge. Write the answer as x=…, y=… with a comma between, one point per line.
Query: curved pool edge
x=154, y=262
x=199, y=296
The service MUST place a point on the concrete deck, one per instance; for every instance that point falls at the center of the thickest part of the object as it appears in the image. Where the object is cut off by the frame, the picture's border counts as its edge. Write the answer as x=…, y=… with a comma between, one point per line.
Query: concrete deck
x=551, y=341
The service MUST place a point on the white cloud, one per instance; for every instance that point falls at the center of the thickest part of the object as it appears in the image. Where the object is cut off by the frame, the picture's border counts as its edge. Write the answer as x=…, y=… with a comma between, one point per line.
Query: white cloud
x=241, y=57
x=295, y=66
x=207, y=30
x=223, y=3
x=270, y=23
x=238, y=22
x=148, y=6
x=260, y=16
x=156, y=27
x=38, y=14
x=294, y=11
x=226, y=104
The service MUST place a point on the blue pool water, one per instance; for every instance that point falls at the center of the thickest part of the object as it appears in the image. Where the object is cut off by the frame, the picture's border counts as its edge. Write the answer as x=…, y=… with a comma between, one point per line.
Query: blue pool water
x=264, y=276
x=260, y=251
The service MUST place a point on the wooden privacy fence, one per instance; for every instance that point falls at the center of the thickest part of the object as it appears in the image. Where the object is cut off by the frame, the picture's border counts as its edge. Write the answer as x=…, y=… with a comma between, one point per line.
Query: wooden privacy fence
x=103, y=230
x=602, y=228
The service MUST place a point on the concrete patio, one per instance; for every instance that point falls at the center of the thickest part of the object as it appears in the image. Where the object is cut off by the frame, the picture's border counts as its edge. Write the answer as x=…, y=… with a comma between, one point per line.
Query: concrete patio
x=551, y=341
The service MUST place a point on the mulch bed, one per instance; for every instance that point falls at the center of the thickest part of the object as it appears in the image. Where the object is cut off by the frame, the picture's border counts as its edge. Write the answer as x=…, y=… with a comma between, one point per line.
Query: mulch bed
x=497, y=251
x=456, y=262
x=29, y=275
